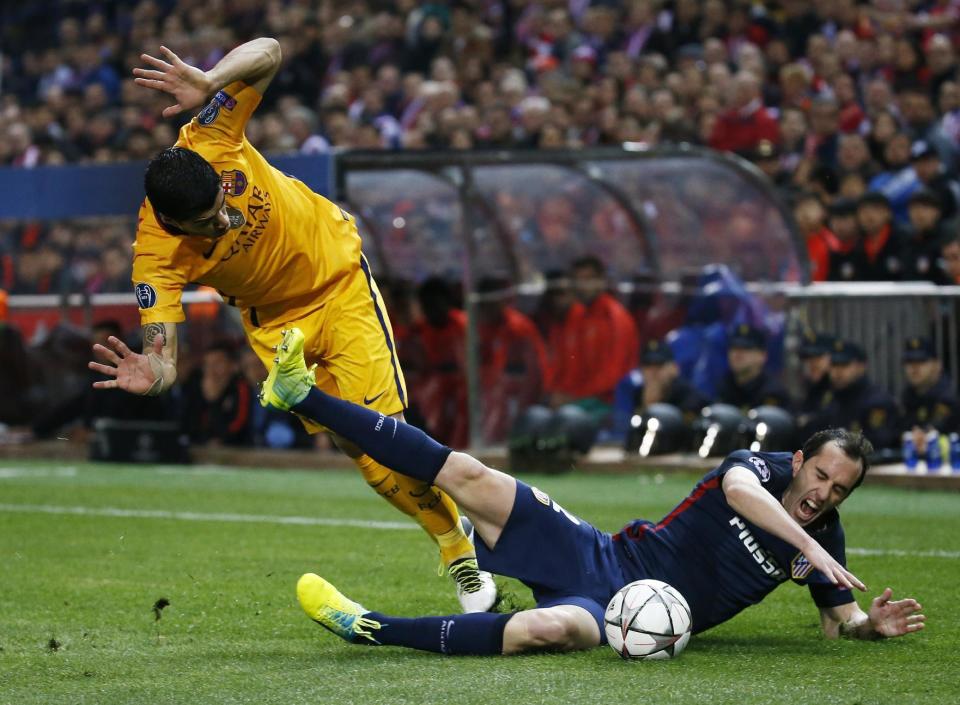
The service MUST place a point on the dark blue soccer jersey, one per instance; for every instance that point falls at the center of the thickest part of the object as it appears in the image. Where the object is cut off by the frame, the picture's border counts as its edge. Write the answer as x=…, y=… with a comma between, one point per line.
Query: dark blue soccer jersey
x=720, y=562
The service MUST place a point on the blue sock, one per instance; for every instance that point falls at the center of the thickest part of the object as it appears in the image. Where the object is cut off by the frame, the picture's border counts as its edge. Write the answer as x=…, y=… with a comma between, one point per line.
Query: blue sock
x=399, y=446
x=476, y=633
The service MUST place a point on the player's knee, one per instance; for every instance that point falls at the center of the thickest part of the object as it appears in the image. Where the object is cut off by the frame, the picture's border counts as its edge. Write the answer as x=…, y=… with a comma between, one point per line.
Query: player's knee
x=546, y=630
x=462, y=469
x=349, y=449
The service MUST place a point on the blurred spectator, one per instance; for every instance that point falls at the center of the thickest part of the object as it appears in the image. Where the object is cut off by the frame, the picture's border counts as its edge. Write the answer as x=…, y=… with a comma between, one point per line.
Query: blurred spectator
x=442, y=390
x=558, y=320
x=931, y=175
x=950, y=253
x=82, y=405
x=217, y=400
x=16, y=406
x=607, y=343
x=814, y=354
x=847, y=261
x=897, y=180
x=929, y=399
x=922, y=245
x=746, y=121
x=747, y=385
x=811, y=216
x=655, y=312
x=883, y=240
x=662, y=383
x=823, y=141
x=767, y=158
x=857, y=403
x=512, y=359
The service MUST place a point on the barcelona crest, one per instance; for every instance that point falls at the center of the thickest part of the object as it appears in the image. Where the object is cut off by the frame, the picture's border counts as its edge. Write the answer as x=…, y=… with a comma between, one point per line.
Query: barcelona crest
x=233, y=181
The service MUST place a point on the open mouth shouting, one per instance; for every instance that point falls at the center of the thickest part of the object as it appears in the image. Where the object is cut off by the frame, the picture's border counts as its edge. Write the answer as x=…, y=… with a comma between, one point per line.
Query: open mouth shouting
x=807, y=509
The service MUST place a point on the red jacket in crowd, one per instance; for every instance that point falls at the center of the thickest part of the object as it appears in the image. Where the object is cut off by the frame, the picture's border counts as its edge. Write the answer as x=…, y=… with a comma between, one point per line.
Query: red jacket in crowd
x=744, y=129
x=513, y=362
x=441, y=392
x=609, y=348
x=819, y=246
x=563, y=351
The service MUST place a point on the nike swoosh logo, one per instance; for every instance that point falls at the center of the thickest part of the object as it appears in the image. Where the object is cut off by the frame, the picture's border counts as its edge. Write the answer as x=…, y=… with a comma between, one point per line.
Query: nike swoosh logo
x=368, y=402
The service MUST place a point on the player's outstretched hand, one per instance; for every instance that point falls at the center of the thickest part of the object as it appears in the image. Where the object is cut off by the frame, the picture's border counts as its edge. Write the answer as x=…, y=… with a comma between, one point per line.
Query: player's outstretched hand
x=131, y=371
x=188, y=85
x=826, y=564
x=895, y=618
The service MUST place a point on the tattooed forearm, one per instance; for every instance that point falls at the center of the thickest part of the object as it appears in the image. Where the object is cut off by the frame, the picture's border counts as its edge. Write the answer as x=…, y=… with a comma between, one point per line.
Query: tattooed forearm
x=150, y=333
x=163, y=366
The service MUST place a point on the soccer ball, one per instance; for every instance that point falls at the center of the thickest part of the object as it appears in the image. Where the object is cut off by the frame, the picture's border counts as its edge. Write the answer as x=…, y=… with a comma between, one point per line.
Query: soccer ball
x=647, y=619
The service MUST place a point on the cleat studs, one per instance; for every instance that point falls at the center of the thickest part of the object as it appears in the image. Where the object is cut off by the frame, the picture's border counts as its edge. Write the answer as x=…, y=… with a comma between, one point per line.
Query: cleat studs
x=276, y=360
x=284, y=347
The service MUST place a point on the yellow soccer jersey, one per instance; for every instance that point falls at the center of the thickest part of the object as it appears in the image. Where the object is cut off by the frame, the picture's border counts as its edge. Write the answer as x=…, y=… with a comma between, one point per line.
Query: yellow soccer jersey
x=286, y=244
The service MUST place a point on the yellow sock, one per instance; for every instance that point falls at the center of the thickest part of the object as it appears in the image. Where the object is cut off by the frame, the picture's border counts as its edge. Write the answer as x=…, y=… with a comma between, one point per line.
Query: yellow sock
x=429, y=506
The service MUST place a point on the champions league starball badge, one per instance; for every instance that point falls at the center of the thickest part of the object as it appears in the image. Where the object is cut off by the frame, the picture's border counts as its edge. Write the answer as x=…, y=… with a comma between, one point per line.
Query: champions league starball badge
x=146, y=295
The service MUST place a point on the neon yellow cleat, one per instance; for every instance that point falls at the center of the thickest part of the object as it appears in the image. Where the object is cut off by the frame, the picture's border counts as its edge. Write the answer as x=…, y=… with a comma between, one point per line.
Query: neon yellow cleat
x=329, y=608
x=290, y=379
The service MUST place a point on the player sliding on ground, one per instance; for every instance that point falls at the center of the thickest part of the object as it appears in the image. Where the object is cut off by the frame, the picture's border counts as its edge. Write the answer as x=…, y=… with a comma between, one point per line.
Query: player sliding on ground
x=757, y=520
x=217, y=213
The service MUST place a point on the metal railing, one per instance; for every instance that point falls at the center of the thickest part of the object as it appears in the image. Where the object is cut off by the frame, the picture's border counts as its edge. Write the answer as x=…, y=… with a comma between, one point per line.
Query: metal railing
x=880, y=316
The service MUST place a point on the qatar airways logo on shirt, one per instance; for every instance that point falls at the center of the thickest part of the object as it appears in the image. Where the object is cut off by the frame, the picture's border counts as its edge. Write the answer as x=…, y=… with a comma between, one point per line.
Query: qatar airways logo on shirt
x=764, y=559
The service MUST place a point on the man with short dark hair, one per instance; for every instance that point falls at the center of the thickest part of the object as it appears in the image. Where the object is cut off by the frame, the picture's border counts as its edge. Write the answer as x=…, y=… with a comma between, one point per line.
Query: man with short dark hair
x=219, y=214
x=757, y=520
x=882, y=239
x=216, y=400
x=929, y=400
x=662, y=383
x=814, y=354
x=748, y=385
x=848, y=262
x=932, y=175
x=607, y=341
x=922, y=244
x=858, y=404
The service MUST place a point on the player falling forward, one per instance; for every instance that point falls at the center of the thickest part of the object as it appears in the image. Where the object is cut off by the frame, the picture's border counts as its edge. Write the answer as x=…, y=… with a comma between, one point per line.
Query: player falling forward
x=754, y=522
x=217, y=213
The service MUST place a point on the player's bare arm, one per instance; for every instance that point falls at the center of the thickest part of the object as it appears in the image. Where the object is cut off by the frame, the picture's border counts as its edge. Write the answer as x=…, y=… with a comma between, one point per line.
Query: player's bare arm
x=255, y=63
x=148, y=374
x=752, y=502
x=886, y=618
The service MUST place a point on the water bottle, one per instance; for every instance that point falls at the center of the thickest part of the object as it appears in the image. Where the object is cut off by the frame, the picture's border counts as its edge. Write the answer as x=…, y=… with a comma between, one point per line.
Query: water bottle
x=934, y=452
x=910, y=457
x=955, y=452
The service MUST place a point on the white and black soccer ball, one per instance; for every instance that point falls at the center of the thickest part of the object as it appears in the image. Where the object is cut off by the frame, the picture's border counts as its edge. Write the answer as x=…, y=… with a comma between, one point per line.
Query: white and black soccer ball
x=648, y=619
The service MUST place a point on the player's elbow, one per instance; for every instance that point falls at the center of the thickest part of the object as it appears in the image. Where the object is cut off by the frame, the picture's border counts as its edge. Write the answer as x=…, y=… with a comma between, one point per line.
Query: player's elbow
x=272, y=48
x=736, y=494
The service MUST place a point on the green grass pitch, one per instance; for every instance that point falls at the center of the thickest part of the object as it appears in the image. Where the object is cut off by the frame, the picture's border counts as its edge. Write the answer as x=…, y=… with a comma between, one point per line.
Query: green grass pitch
x=86, y=551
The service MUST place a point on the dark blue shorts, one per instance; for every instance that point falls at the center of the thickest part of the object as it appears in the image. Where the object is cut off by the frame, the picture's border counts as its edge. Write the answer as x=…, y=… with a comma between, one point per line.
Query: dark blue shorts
x=561, y=558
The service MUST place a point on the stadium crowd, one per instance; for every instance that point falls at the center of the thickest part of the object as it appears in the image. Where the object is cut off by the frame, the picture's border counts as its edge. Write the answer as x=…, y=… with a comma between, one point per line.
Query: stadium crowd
x=833, y=100
x=852, y=109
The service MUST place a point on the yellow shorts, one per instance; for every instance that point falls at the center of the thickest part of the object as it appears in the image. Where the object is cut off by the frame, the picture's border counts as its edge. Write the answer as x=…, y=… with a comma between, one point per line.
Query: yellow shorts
x=348, y=335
